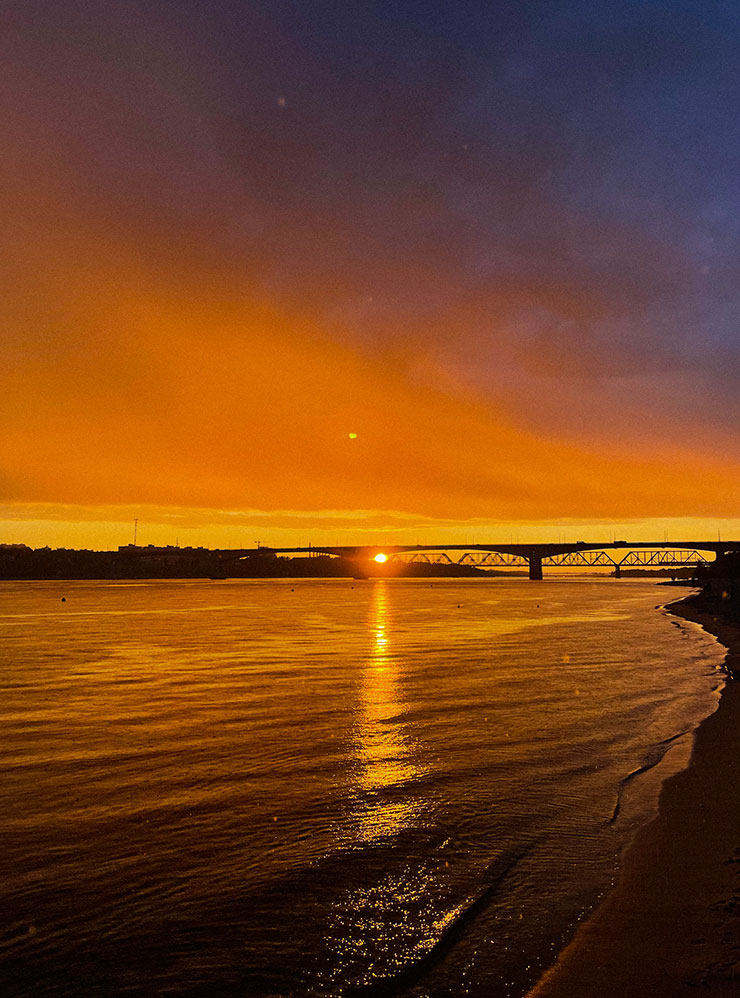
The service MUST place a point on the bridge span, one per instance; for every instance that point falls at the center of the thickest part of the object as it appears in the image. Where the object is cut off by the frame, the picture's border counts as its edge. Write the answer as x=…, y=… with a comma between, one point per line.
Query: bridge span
x=640, y=554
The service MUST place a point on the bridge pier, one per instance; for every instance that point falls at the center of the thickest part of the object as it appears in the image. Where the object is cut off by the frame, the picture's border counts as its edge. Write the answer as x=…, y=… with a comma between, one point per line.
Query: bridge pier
x=535, y=566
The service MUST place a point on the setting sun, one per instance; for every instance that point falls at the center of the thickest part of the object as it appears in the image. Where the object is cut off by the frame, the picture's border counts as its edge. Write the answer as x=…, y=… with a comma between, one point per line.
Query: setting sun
x=381, y=558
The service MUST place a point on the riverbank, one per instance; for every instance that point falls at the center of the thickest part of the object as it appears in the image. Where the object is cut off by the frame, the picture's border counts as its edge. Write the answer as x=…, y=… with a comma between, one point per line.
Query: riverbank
x=672, y=924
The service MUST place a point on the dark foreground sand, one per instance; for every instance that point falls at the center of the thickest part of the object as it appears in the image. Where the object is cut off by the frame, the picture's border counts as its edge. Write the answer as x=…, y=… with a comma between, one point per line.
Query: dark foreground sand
x=671, y=927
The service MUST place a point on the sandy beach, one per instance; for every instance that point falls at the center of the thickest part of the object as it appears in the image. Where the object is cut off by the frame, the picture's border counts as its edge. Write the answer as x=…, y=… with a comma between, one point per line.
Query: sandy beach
x=671, y=927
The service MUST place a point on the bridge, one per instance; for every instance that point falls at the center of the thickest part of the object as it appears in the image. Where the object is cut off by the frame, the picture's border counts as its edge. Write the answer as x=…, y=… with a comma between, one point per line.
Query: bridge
x=642, y=554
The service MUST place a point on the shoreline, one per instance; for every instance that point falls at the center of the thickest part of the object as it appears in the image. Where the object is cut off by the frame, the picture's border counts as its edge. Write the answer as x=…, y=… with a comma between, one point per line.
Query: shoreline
x=672, y=922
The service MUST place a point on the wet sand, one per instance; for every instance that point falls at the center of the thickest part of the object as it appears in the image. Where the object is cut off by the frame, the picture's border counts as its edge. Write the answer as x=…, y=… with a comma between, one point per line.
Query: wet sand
x=671, y=927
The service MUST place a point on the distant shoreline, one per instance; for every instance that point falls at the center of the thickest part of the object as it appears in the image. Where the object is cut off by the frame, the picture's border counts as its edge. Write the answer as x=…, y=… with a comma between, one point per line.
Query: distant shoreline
x=670, y=926
x=18, y=562
x=22, y=564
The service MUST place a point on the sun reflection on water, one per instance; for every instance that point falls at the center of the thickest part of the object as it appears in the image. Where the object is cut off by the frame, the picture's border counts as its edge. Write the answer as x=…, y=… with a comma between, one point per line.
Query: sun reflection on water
x=387, y=921
x=384, y=748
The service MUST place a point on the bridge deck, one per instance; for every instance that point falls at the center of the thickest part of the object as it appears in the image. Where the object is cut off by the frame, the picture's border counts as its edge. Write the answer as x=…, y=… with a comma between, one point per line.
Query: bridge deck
x=575, y=554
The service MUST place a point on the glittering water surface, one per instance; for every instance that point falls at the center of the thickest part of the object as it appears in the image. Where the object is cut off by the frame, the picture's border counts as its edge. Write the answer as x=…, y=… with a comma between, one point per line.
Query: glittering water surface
x=325, y=787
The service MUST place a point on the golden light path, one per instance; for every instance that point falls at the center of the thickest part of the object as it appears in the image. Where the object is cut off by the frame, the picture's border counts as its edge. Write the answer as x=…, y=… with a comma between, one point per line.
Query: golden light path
x=365, y=943
x=384, y=749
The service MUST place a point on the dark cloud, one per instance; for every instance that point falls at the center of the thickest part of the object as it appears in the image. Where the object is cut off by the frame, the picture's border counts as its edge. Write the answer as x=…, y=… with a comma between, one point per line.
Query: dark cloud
x=513, y=193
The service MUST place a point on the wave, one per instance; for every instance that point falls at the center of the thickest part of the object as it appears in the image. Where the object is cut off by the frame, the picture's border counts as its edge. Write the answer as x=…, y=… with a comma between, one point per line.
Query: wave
x=655, y=755
x=453, y=926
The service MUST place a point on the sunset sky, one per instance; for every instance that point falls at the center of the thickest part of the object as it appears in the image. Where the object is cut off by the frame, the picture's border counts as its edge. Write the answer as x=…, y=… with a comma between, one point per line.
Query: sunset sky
x=499, y=244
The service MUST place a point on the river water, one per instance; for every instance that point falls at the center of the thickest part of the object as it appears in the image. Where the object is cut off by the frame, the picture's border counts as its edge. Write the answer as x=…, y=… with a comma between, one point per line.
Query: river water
x=325, y=788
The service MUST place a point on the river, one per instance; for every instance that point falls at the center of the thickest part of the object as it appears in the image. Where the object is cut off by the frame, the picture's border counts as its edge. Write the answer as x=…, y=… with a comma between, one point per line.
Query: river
x=326, y=787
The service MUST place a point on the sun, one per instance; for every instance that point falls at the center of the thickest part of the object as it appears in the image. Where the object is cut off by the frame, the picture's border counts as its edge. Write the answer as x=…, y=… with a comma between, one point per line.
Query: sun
x=381, y=558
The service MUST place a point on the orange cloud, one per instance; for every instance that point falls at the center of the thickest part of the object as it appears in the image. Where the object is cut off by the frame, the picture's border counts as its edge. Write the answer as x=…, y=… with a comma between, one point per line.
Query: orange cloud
x=163, y=395
x=140, y=366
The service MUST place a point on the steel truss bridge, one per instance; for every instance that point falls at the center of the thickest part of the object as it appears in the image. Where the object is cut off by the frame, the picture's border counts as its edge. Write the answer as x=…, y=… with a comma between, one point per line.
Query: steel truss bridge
x=574, y=559
x=580, y=554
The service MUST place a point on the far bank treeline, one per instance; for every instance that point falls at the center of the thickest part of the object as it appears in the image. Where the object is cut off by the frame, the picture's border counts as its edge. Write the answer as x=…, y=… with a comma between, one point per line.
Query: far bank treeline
x=17, y=561
x=20, y=562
